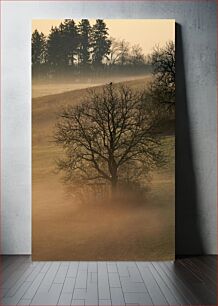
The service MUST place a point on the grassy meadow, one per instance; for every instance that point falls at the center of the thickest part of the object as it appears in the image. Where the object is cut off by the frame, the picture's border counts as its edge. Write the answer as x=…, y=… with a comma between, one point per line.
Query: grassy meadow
x=62, y=229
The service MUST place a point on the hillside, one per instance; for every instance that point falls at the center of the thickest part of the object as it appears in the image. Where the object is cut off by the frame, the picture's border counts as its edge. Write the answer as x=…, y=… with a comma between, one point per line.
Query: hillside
x=63, y=228
x=46, y=108
x=40, y=89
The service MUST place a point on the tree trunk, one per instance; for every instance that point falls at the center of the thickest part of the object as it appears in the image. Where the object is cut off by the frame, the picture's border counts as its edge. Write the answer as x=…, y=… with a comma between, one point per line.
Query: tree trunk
x=114, y=184
x=113, y=171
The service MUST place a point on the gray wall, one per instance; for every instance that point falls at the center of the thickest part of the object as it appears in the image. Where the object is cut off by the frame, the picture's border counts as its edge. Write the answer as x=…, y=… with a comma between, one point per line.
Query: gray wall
x=196, y=113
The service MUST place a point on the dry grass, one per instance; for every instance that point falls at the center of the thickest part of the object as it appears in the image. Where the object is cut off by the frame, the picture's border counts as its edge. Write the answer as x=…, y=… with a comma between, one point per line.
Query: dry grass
x=65, y=230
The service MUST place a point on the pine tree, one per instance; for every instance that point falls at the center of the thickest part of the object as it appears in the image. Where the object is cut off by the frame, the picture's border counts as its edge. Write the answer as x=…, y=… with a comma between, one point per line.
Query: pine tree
x=63, y=44
x=70, y=40
x=85, y=41
x=54, y=47
x=101, y=43
x=38, y=48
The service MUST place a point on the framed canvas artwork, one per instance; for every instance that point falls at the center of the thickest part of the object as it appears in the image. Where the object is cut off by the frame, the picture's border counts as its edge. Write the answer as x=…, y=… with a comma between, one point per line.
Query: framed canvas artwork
x=103, y=139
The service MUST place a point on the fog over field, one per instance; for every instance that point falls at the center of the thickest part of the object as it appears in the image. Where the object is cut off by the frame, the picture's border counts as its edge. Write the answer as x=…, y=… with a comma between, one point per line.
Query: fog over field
x=65, y=229
x=40, y=88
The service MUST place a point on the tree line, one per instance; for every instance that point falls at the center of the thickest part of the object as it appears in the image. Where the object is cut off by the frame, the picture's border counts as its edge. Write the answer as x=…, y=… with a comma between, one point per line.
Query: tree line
x=78, y=47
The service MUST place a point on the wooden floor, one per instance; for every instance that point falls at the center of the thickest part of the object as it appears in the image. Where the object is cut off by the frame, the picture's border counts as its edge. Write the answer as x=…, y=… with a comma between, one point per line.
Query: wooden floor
x=188, y=281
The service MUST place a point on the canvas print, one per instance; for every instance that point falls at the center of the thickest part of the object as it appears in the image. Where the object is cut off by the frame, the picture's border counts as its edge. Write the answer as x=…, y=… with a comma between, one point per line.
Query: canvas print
x=103, y=139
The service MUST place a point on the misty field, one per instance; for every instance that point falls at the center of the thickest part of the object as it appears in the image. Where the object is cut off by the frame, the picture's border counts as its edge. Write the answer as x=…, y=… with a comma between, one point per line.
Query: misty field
x=42, y=88
x=63, y=229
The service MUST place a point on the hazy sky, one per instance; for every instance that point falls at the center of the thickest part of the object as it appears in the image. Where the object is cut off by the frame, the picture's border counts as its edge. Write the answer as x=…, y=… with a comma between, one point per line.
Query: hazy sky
x=146, y=32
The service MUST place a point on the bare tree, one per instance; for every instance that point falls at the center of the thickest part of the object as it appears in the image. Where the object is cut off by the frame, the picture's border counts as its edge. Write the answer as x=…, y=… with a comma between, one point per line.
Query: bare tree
x=123, y=52
x=114, y=51
x=137, y=57
x=119, y=51
x=109, y=138
x=163, y=86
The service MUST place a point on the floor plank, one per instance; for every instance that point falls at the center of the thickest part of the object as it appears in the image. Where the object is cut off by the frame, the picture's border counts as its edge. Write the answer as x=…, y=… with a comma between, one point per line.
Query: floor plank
x=168, y=292
x=169, y=281
x=154, y=290
x=187, y=281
